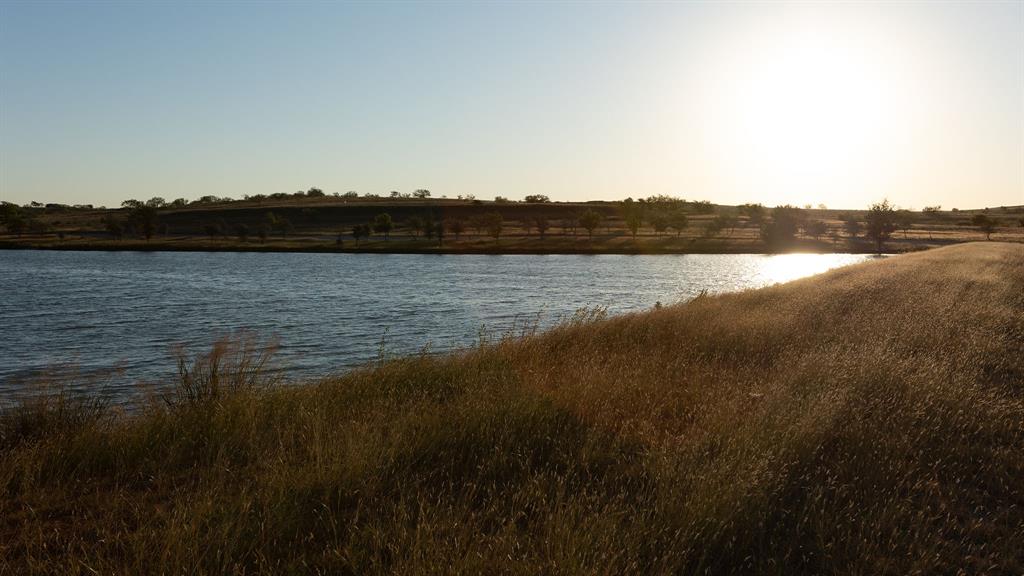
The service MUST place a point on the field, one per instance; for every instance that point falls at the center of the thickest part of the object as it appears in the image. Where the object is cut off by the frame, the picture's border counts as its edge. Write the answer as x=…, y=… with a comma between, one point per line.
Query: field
x=326, y=225
x=866, y=421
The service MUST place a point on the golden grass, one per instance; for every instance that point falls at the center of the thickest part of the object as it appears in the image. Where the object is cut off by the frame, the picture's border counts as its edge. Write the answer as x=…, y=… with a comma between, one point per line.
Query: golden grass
x=867, y=421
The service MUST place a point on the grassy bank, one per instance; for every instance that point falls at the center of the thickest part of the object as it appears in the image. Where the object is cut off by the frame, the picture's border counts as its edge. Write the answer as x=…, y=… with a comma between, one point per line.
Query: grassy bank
x=866, y=421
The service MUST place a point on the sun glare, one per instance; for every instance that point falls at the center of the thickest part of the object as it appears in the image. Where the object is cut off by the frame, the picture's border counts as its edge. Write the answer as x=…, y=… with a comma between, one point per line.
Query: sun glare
x=801, y=112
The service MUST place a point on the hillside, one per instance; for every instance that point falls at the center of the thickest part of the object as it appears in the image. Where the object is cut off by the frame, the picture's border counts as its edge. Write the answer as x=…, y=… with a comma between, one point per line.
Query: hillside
x=866, y=421
x=331, y=224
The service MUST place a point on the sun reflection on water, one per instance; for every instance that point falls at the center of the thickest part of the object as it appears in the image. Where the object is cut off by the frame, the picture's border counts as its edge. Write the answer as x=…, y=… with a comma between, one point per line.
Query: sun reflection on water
x=786, y=267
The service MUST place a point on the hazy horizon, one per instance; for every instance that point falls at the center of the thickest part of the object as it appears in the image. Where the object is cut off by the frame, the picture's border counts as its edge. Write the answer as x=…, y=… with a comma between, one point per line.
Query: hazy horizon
x=840, y=104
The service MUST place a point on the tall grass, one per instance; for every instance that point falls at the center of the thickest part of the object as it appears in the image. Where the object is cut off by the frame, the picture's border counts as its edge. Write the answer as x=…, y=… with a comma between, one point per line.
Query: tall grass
x=867, y=421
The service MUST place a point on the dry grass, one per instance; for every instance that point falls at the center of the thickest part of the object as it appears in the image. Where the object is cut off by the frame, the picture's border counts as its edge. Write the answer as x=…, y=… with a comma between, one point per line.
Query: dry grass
x=867, y=421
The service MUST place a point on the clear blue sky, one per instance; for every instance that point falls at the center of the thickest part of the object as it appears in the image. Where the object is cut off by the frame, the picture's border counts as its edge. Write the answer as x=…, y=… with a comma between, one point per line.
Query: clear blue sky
x=809, y=102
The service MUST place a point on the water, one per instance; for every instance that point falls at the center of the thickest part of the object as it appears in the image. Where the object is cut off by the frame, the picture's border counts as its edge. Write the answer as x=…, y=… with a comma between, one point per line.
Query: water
x=100, y=310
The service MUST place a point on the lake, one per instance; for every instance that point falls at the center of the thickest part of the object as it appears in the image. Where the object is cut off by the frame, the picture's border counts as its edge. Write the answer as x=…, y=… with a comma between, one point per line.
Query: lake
x=96, y=311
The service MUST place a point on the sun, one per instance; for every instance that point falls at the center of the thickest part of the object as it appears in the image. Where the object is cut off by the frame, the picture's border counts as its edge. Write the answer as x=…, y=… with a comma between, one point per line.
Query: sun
x=805, y=113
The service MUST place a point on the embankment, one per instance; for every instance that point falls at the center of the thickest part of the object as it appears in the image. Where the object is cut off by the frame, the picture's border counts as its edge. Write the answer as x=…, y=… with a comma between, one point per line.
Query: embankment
x=866, y=421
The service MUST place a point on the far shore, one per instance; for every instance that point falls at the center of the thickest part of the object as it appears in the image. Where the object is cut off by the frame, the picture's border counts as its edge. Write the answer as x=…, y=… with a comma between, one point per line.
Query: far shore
x=512, y=245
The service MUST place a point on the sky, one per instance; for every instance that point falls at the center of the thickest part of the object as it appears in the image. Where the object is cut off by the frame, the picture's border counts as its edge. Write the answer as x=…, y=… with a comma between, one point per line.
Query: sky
x=841, y=104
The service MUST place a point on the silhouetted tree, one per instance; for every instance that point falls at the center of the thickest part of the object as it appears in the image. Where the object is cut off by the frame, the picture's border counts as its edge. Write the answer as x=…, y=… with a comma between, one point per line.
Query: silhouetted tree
x=415, y=224
x=590, y=220
x=382, y=224
x=754, y=213
x=569, y=225
x=527, y=225
x=542, y=225
x=360, y=231
x=143, y=220
x=284, y=226
x=212, y=229
x=633, y=221
x=456, y=227
x=782, y=228
x=985, y=224
x=421, y=194
x=315, y=193
x=852, y=226
x=678, y=221
x=114, y=228
x=156, y=202
x=494, y=223
x=132, y=203
x=536, y=199
x=17, y=224
x=904, y=221
x=725, y=222
x=659, y=222
x=815, y=229
x=881, y=223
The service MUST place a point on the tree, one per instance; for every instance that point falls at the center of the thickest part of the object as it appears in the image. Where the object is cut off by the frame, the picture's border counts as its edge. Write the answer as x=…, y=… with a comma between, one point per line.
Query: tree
x=456, y=227
x=880, y=223
x=678, y=221
x=284, y=226
x=212, y=229
x=712, y=228
x=360, y=231
x=542, y=225
x=569, y=225
x=382, y=224
x=904, y=221
x=17, y=224
x=815, y=229
x=659, y=222
x=852, y=226
x=421, y=194
x=156, y=202
x=590, y=220
x=985, y=224
x=315, y=193
x=143, y=219
x=242, y=231
x=13, y=217
x=493, y=223
x=782, y=228
x=415, y=224
x=527, y=225
x=132, y=203
x=478, y=223
x=536, y=199
x=114, y=228
x=633, y=222
x=726, y=222
x=754, y=213
x=439, y=230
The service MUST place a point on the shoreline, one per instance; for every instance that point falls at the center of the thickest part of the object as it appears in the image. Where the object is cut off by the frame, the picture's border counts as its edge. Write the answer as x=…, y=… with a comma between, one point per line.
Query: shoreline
x=322, y=248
